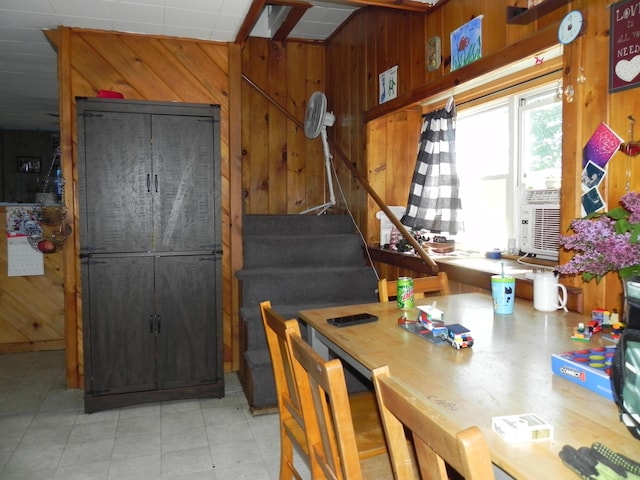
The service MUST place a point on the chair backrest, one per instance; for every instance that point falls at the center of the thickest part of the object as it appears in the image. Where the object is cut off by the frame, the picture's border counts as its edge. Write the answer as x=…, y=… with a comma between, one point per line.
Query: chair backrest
x=388, y=289
x=435, y=447
x=327, y=401
x=278, y=332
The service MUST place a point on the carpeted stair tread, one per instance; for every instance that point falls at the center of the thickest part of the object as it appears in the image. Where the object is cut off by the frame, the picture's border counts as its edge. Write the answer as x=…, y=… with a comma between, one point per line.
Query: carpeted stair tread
x=297, y=262
x=304, y=250
x=297, y=224
x=309, y=285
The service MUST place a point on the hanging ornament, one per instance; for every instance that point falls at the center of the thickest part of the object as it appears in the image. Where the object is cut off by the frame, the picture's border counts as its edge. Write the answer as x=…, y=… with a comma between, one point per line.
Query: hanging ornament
x=631, y=148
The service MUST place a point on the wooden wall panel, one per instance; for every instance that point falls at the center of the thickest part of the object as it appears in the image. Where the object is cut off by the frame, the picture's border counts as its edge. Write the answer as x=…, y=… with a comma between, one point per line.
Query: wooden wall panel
x=283, y=171
x=502, y=43
x=32, y=313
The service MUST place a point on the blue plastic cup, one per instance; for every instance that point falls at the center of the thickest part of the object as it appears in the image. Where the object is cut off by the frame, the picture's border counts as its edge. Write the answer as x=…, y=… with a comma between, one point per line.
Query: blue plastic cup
x=503, y=291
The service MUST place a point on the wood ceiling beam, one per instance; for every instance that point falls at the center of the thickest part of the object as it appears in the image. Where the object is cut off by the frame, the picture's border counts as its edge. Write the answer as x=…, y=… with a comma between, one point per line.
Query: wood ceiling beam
x=299, y=7
x=250, y=19
x=410, y=5
x=290, y=22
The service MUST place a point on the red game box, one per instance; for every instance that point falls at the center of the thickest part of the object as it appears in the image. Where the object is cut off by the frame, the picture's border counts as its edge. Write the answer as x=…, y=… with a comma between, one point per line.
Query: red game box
x=589, y=368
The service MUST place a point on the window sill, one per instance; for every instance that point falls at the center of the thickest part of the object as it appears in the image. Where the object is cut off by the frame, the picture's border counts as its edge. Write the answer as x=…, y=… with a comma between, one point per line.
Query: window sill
x=476, y=271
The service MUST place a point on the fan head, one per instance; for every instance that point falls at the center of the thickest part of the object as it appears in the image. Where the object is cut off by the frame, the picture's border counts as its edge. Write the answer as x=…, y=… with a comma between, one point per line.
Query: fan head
x=316, y=116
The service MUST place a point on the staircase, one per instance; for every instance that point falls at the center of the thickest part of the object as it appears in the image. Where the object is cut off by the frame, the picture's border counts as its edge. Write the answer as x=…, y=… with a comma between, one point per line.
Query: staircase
x=297, y=262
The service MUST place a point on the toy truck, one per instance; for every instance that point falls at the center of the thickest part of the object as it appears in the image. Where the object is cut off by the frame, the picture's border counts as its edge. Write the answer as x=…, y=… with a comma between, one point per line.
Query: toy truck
x=458, y=336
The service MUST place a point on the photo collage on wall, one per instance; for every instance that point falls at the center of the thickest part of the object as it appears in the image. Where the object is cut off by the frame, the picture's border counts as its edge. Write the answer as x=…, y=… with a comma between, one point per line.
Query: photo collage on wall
x=600, y=148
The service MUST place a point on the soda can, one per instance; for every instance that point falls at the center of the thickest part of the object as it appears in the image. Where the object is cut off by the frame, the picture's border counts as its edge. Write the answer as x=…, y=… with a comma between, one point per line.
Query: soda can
x=405, y=293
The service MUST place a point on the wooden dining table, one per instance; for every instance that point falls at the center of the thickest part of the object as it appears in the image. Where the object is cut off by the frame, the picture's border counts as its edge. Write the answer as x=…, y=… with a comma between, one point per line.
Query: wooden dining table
x=507, y=371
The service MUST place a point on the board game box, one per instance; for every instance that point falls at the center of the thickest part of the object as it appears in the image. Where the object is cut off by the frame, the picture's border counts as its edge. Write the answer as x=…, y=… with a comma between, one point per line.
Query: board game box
x=589, y=368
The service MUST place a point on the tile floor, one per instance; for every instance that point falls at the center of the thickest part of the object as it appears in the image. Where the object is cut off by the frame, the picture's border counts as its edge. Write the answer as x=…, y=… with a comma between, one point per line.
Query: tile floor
x=45, y=435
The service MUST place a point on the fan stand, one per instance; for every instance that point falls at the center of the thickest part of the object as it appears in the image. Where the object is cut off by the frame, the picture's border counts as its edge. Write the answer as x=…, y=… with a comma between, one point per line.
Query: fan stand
x=320, y=209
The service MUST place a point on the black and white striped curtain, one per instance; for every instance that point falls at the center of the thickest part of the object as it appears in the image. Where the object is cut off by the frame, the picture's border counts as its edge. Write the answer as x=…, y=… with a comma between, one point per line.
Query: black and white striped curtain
x=434, y=199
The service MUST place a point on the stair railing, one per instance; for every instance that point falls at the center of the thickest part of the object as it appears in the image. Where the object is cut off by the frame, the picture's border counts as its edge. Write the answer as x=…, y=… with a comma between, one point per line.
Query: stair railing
x=363, y=181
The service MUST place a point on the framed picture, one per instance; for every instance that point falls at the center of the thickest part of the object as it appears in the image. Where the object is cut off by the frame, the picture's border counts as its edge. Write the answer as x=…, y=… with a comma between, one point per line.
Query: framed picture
x=624, y=46
x=466, y=43
x=29, y=164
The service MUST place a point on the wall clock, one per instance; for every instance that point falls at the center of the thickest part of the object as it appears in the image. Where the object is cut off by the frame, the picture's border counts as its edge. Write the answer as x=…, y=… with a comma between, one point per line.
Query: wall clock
x=570, y=27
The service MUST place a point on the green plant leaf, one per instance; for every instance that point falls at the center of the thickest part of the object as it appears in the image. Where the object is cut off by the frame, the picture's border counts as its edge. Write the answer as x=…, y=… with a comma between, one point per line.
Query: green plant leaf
x=618, y=213
x=622, y=226
x=635, y=232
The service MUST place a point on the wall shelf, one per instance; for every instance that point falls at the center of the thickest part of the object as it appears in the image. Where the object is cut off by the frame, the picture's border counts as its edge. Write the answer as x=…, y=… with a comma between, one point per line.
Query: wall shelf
x=522, y=16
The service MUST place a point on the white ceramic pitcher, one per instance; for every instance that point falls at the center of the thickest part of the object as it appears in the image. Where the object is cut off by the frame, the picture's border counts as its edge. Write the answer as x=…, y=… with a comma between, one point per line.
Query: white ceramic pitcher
x=548, y=294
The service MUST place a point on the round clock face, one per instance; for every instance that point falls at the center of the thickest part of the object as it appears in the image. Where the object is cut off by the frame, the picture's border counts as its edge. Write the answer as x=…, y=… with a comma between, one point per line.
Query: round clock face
x=570, y=27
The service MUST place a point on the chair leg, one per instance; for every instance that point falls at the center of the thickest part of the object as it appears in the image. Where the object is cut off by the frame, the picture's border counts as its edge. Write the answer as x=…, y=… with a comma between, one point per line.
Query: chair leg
x=287, y=470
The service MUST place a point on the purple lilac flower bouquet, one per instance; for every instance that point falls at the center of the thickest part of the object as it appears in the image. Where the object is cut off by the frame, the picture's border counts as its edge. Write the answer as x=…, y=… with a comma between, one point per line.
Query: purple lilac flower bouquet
x=606, y=242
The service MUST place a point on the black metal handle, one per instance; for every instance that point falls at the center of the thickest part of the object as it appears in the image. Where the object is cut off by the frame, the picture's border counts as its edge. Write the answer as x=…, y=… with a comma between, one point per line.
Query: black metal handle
x=148, y=183
x=150, y=323
x=156, y=181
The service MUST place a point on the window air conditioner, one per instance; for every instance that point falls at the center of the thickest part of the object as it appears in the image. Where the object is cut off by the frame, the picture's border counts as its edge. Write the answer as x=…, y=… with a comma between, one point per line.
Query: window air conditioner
x=540, y=223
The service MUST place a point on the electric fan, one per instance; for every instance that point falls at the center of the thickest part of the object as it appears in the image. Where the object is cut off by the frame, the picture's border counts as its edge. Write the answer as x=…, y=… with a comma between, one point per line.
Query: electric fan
x=316, y=121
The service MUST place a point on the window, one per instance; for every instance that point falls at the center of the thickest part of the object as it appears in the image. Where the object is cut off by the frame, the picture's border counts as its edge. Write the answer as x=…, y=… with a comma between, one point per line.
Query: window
x=505, y=145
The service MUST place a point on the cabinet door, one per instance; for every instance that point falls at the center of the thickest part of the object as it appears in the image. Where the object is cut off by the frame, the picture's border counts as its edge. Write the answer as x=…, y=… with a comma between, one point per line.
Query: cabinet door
x=122, y=339
x=115, y=182
x=185, y=189
x=188, y=313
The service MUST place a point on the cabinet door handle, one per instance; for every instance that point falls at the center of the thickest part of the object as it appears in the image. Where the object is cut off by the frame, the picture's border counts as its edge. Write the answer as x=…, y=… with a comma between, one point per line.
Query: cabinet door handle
x=156, y=182
x=148, y=183
x=150, y=323
x=158, y=323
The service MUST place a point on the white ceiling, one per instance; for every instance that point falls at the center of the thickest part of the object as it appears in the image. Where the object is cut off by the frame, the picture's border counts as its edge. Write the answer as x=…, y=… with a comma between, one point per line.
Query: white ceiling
x=28, y=69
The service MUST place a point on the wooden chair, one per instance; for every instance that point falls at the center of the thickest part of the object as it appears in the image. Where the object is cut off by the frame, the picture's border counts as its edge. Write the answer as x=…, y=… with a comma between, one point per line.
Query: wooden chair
x=295, y=430
x=435, y=284
x=326, y=402
x=435, y=447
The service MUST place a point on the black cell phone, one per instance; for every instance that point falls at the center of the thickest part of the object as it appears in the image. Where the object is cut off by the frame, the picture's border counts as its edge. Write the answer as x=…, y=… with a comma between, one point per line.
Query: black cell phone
x=352, y=319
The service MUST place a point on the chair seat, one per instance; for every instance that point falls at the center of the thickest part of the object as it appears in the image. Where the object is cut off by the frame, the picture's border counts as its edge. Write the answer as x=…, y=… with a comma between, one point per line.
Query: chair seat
x=367, y=425
x=377, y=468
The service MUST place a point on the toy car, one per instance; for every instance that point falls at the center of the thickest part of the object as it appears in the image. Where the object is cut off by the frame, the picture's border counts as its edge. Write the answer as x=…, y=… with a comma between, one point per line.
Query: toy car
x=594, y=326
x=458, y=336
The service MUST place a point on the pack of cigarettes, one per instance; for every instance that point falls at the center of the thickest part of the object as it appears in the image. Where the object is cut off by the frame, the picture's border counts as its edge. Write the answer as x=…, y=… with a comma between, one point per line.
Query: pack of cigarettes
x=527, y=427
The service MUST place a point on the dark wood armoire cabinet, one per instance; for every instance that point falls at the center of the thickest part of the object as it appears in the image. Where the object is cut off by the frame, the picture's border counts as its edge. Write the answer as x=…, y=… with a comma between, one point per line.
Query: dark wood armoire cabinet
x=150, y=246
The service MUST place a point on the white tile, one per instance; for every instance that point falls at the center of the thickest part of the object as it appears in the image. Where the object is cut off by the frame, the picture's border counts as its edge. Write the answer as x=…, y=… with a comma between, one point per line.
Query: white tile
x=208, y=475
x=42, y=437
x=46, y=474
x=149, y=425
x=227, y=414
x=145, y=467
x=55, y=418
x=102, y=416
x=184, y=439
x=234, y=453
x=172, y=422
x=79, y=453
x=244, y=471
x=34, y=459
x=92, y=432
x=180, y=406
x=221, y=433
x=136, y=445
x=145, y=410
x=184, y=462
x=157, y=441
x=86, y=471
